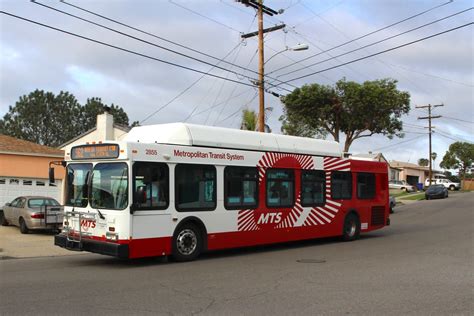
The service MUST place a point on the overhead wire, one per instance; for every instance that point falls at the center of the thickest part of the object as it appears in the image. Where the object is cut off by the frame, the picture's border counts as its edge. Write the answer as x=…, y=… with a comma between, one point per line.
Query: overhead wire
x=141, y=40
x=122, y=49
x=155, y=36
x=368, y=34
x=380, y=52
x=380, y=41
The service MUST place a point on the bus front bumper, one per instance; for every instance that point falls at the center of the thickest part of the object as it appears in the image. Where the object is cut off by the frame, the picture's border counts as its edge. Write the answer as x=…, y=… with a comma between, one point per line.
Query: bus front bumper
x=100, y=247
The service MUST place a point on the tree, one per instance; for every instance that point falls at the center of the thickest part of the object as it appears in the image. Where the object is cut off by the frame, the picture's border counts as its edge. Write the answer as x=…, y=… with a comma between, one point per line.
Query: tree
x=460, y=155
x=249, y=120
x=434, y=156
x=356, y=110
x=47, y=119
x=423, y=162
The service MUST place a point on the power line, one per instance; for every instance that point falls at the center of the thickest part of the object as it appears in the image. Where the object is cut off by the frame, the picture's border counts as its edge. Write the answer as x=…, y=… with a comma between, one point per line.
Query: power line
x=378, y=42
x=206, y=17
x=186, y=89
x=380, y=52
x=141, y=40
x=368, y=34
x=123, y=49
x=156, y=36
x=399, y=143
x=457, y=119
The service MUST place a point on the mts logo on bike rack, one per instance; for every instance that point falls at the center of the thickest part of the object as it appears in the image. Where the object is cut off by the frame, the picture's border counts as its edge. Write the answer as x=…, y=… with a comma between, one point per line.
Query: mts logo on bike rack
x=87, y=223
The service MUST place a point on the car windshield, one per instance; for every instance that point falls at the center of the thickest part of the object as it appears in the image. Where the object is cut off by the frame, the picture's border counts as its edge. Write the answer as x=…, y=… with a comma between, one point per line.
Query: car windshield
x=76, y=184
x=109, y=186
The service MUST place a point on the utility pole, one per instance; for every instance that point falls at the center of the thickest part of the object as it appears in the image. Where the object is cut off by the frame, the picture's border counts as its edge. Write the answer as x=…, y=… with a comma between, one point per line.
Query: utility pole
x=261, y=91
x=258, y=4
x=430, y=127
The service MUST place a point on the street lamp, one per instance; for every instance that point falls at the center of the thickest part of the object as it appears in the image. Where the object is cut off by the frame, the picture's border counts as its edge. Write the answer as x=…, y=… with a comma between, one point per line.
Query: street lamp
x=296, y=48
x=261, y=114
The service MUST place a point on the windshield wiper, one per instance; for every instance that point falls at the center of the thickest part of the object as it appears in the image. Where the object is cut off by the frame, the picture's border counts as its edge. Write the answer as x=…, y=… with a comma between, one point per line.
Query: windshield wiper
x=100, y=214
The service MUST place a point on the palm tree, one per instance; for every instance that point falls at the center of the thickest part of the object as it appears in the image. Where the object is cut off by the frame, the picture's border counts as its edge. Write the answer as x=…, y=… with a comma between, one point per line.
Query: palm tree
x=249, y=120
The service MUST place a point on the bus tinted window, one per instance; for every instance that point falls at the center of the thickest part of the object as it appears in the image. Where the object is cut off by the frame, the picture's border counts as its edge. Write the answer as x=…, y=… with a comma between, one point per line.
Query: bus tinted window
x=280, y=188
x=195, y=187
x=240, y=188
x=365, y=185
x=341, y=185
x=312, y=187
x=153, y=177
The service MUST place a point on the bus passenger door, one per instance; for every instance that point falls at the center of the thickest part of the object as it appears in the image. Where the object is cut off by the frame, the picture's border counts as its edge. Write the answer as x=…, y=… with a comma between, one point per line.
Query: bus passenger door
x=151, y=198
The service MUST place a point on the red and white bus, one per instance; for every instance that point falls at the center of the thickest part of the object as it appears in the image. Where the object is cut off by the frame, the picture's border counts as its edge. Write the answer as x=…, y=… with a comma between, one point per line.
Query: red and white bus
x=181, y=189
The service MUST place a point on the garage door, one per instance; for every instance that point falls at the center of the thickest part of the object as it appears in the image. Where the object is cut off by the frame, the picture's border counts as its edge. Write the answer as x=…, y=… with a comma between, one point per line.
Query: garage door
x=11, y=188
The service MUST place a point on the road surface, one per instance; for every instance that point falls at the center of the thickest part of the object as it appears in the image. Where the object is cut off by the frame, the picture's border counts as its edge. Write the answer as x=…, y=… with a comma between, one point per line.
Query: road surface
x=421, y=264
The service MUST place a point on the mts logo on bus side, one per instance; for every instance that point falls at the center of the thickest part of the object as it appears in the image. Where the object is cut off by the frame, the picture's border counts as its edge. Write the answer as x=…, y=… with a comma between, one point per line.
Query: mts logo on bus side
x=269, y=218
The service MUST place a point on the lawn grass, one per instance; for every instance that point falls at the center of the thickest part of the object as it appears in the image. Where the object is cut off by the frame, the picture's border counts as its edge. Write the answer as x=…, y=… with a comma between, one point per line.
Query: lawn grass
x=414, y=197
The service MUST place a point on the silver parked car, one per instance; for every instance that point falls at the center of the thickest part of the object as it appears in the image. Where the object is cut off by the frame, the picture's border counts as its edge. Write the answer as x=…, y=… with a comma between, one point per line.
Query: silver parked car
x=400, y=184
x=33, y=212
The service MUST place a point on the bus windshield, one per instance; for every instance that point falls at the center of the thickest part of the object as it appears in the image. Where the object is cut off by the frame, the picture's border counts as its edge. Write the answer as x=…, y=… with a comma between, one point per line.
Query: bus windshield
x=109, y=186
x=76, y=191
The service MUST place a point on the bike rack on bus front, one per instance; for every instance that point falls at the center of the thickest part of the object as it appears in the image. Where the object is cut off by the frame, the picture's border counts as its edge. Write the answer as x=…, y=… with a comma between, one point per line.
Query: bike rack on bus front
x=73, y=240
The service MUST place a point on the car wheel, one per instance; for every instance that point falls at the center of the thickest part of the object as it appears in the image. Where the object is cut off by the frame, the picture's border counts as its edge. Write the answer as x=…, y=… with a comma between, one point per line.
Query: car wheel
x=3, y=220
x=23, y=228
x=351, y=229
x=452, y=187
x=427, y=197
x=187, y=243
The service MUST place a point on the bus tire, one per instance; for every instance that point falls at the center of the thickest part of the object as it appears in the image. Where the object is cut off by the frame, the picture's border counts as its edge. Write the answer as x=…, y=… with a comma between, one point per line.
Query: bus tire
x=351, y=229
x=187, y=243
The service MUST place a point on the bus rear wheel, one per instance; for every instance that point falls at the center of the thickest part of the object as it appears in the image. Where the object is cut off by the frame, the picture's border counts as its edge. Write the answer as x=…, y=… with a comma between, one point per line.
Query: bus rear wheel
x=187, y=243
x=351, y=229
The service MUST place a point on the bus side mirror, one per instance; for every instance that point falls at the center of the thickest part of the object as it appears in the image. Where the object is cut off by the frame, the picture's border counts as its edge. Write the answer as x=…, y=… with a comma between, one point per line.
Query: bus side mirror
x=51, y=175
x=140, y=195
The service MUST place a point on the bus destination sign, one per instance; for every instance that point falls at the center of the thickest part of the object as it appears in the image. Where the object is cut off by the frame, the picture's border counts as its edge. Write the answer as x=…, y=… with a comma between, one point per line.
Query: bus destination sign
x=100, y=151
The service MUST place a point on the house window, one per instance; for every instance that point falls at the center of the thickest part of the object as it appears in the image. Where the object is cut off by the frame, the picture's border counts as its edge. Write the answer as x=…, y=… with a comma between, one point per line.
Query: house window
x=27, y=182
x=195, y=187
x=14, y=182
x=341, y=185
x=240, y=188
x=40, y=183
x=280, y=188
x=365, y=186
x=312, y=187
x=3, y=181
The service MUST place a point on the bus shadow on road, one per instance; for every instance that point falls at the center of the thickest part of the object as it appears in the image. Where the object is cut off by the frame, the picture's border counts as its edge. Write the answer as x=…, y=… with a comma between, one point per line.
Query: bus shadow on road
x=227, y=253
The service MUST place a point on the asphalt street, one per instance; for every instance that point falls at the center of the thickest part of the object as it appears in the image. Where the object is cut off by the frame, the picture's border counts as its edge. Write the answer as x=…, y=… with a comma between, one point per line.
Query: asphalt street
x=421, y=264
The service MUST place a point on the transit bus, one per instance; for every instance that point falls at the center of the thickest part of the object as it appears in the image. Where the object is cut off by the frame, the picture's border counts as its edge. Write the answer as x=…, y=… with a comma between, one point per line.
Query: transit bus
x=181, y=189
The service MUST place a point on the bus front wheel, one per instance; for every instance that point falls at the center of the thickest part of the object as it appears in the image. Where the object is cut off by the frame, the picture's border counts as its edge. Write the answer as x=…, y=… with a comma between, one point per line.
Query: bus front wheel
x=351, y=229
x=187, y=243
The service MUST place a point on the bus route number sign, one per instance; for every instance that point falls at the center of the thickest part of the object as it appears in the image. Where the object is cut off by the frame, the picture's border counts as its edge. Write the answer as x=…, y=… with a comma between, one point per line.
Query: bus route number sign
x=100, y=151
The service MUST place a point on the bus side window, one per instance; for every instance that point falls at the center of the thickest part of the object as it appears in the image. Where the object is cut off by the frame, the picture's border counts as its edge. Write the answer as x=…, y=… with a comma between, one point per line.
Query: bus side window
x=365, y=186
x=341, y=185
x=154, y=177
x=280, y=188
x=195, y=187
x=312, y=187
x=240, y=188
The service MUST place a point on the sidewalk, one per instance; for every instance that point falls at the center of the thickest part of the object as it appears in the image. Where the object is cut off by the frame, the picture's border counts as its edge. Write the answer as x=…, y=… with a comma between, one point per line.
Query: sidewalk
x=14, y=244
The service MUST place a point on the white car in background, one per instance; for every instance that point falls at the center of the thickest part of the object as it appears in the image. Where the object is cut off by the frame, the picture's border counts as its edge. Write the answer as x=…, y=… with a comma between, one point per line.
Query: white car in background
x=448, y=184
x=401, y=185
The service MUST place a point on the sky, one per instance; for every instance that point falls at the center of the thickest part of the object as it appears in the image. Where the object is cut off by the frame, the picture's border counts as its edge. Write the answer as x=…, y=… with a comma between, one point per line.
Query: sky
x=438, y=70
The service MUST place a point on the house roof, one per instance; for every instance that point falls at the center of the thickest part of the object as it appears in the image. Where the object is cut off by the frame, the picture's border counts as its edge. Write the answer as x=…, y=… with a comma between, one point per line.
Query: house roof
x=121, y=127
x=370, y=156
x=407, y=165
x=12, y=145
